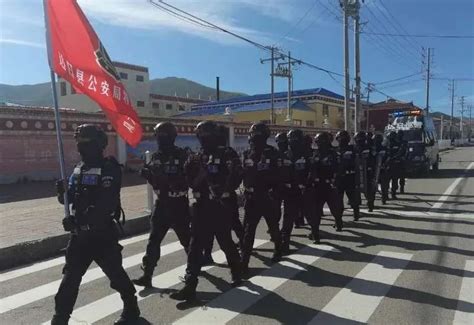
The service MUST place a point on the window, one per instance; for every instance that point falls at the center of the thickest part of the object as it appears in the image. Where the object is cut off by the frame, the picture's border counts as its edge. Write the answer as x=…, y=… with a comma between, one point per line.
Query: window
x=73, y=90
x=63, y=88
x=325, y=110
x=169, y=106
x=155, y=105
x=140, y=78
x=297, y=122
x=181, y=107
x=140, y=103
x=310, y=123
x=123, y=75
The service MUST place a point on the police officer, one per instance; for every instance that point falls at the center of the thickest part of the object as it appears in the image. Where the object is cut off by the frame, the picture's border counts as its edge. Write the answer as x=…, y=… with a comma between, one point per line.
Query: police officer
x=395, y=163
x=285, y=169
x=297, y=184
x=308, y=203
x=323, y=174
x=94, y=192
x=231, y=202
x=165, y=173
x=367, y=167
x=261, y=175
x=403, y=152
x=381, y=172
x=213, y=174
x=347, y=183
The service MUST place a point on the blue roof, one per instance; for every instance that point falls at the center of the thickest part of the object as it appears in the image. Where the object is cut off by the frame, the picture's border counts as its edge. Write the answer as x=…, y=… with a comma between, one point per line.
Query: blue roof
x=295, y=105
x=267, y=97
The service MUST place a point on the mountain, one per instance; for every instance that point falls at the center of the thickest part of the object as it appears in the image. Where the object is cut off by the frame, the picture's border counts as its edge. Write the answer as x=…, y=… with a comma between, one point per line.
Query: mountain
x=40, y=94
x=31, y=95
x=180, y=86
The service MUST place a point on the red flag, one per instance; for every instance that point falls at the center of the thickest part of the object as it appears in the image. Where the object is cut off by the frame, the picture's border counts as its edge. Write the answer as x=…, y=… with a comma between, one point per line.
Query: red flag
x=78, y=56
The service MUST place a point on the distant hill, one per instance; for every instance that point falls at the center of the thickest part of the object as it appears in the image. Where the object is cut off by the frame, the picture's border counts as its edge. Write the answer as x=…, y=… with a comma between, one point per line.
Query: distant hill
x=180, y=86
x=40, y=94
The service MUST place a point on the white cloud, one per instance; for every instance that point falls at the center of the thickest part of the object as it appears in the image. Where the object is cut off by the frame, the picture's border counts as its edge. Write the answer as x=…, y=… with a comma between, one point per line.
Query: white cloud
x=408, y=92
x=143, y=15
x=21, y=42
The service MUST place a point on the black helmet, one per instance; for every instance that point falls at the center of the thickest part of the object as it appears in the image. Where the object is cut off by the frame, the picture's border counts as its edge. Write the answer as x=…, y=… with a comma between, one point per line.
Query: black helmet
x=259, y=129
x=308, y=140
x=91, y=133
x=322, y=139
x=377, y=138
x=165, y=128
x=360, y=136
x=295, y=135
x=223, y=134
x=281, y=137
x=343, y=136
x=206, y=128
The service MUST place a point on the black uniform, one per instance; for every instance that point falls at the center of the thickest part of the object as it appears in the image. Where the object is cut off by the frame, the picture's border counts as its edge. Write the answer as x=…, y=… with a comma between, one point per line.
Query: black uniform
x=323, y=176
x=281, y=191
x=348, y=183
x=261, y=176
x=403, y=148
x=94, y=192
x=297, y=185
x=308, y=196
x=381, y=160
x=397, y=153
x=213, y=174
x=171, y=208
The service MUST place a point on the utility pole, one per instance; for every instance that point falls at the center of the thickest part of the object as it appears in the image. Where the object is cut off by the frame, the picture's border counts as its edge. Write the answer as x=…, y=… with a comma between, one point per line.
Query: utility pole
x=470, y=122
x=347, y=103
x=218, y=92
x=272, y=60
x=357, y=107
x=461, y=126
x=451, y=88
x=441, y=128
x=428, y=76
x=288, y=116
x=369, y=90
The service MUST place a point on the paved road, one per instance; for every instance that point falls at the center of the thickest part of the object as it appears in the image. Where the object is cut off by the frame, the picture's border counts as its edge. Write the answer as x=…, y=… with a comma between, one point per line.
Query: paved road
x=410, y=263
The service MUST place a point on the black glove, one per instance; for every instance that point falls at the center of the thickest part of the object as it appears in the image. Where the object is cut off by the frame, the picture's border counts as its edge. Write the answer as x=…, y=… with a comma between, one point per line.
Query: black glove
x=68, y=224
x=60, y=187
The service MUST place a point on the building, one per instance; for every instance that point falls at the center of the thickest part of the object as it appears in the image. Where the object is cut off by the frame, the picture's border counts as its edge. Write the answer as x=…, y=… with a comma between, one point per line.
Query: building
x=377, y=115
x=137, y=82
x=317, y=107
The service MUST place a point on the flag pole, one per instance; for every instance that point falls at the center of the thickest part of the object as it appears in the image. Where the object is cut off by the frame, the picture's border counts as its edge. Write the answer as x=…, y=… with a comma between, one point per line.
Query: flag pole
x=57, y=118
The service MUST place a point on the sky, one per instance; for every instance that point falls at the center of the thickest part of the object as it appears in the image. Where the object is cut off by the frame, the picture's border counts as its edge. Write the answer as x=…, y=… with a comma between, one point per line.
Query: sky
x=136, y=32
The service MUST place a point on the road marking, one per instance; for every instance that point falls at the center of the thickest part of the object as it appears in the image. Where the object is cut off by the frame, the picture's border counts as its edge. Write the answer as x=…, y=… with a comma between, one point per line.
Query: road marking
x=359, y=299
x=466, y=297
x=108, y=305
x=26, y=297
x=56, y=261
x=230, y=304
x=450, y=189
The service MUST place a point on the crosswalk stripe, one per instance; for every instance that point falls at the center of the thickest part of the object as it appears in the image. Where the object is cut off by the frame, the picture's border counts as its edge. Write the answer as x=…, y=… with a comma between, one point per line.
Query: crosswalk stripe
x=359, y=299
x=241, y=298
x=108, y=305
x=56, y=261
x=26, y=297
x=466, y=297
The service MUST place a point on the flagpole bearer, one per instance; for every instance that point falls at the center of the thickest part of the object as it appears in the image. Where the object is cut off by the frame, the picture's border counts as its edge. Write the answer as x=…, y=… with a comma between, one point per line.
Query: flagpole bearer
x=57, y=117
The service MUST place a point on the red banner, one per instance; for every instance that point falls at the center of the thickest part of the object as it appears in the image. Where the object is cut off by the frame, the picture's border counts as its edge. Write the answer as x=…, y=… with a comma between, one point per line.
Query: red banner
x=79, y=57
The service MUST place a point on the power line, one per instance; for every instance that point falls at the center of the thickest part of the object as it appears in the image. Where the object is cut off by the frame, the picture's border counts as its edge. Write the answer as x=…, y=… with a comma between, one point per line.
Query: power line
x=397, y=79
x=180, y=17
x=298, y=22
x=422, y=35
x=404, y=83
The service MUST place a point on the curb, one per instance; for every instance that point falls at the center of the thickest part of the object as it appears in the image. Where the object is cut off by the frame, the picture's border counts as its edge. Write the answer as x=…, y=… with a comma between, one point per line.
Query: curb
x=36, y=250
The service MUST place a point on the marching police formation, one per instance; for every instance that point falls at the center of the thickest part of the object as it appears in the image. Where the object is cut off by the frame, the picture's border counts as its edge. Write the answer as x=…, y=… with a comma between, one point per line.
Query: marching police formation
x=287, y=185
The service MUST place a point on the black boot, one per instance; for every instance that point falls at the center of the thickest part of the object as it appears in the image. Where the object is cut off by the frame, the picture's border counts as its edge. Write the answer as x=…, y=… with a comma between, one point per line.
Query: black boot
x=315, y=237
x=188, y=292
x=245, y=271
x=356, y=214
x=402, y=189
x=59, y=320
x=277, y=254
x=207, y=259
x=394, y=196
x=285, y=247
x=130, y=313
x=144, y=280
x=236, y=277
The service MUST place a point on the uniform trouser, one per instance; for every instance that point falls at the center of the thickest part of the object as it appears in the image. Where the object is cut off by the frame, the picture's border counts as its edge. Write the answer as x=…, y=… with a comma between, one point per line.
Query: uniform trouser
x=348, y=186
x=210, y=218
x=325, y=193
x=236, y=225
x=371, y=189
x=293, y=207
x=384, y=184
x=101, y=247
x=395, y=176
x=168, y=213
x=255, y=209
